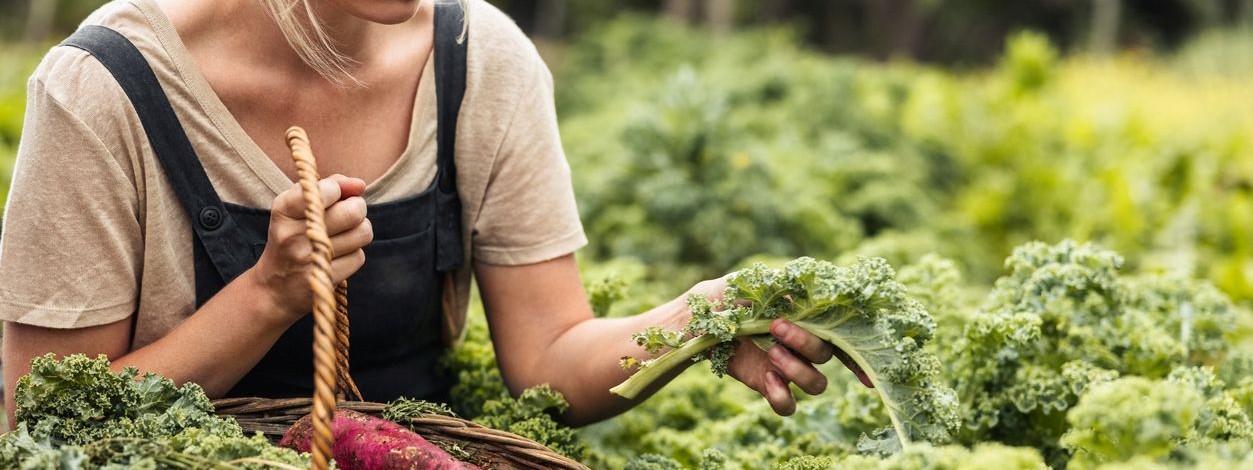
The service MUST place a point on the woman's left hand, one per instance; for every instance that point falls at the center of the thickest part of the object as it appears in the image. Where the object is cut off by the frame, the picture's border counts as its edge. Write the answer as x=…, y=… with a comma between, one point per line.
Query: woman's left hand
x=791, y=360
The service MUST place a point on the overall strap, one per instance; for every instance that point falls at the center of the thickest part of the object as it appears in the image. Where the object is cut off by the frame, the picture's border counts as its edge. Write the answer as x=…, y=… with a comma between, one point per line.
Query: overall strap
x=451, y=35
x=213, y=226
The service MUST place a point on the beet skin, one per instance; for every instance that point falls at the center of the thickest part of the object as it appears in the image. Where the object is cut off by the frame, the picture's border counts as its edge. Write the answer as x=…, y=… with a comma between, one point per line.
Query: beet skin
x=363, y=442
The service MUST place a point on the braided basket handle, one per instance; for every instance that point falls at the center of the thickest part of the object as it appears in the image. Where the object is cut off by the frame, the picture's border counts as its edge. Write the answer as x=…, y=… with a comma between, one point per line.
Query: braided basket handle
x=330, y=307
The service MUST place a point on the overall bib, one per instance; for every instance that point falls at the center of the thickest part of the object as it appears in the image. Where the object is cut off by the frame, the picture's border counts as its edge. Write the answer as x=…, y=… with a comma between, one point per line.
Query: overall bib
x=394, y=300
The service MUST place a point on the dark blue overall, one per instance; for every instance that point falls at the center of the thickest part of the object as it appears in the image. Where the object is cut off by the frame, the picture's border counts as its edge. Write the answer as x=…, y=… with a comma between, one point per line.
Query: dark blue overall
x=393, y=300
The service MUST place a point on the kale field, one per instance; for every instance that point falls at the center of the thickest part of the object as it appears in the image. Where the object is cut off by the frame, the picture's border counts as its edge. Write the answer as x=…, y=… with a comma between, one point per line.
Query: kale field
x=1129, y=347
x=1071, y=236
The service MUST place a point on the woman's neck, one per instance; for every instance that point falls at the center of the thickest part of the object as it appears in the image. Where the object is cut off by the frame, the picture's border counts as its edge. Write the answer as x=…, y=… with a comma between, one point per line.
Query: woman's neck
x=362, y=41
x=353, y=37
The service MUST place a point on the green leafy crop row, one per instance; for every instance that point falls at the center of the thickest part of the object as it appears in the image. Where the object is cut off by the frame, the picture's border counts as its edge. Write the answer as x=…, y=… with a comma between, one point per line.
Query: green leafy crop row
x=1068, y=361
x=693, y=153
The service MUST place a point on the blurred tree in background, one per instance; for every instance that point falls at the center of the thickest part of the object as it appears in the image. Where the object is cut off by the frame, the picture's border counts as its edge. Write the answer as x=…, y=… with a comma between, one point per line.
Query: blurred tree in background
x=42, y=20
x=947, y=31
x=943, y=31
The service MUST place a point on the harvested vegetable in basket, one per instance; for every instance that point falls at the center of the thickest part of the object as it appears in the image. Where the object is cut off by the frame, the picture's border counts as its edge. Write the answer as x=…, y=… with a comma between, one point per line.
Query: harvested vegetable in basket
x=363, y=442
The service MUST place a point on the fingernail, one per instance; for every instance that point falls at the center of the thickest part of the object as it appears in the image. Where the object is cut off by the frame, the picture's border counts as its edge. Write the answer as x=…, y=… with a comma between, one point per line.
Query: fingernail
x=773, y=378
x=775, y=352
x=783, y=329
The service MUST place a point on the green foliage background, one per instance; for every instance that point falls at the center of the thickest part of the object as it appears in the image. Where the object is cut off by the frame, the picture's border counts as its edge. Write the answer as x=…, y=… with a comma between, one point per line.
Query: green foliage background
x=694, y=154
x=16, y=63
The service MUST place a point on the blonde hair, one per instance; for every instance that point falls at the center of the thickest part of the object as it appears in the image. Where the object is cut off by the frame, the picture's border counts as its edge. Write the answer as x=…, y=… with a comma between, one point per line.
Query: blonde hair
x=304, y=32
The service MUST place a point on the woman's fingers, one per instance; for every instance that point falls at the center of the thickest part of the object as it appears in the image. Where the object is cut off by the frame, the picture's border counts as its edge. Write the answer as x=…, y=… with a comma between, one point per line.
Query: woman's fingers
x=814, y=349
x=779, y=396
x=856, y=369
x=343, y=267
x=353, y=239
x=348, y=186
x=753, y=367
x=290, y=204
x=802, y=373
x=345, y=215
x=797, y=339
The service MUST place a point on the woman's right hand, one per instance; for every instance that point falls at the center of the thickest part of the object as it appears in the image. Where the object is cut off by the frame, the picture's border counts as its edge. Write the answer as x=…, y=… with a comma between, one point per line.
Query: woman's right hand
x=282, y=270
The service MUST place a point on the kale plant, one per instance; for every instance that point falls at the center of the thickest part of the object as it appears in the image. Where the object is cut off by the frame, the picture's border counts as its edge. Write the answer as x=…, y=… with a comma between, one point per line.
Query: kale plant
x=860, y=309
x=1064, y=321
x=480, y=395
x=531, y=416
x=77, y=414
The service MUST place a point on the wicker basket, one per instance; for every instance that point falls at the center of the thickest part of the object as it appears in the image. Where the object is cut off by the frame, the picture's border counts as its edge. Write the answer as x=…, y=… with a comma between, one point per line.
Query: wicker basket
x=489, y=448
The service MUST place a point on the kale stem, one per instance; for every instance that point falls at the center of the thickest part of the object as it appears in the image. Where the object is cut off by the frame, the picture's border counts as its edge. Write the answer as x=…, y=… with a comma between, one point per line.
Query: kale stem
x=655, y=369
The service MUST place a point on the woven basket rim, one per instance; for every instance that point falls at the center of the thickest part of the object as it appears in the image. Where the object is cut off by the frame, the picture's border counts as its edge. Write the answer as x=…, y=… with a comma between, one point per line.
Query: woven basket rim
x=270, y=415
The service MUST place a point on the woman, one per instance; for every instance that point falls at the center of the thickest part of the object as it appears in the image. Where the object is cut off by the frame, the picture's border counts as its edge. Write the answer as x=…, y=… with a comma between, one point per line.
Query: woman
x=153, y=218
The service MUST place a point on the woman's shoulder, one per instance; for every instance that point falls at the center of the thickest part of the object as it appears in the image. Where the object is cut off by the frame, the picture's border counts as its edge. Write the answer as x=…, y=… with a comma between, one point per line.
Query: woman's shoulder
x=74, y=102
x=72, y=88
x=498, y=47
x=77, y=81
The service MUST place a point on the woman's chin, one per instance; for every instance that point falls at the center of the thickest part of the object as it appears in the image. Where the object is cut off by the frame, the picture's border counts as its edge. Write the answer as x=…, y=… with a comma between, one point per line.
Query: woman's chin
x=387, y=12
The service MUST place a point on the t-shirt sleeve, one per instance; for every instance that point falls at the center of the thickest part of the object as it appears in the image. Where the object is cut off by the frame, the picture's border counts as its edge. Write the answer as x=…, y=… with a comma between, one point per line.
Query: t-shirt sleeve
x=71, y=243
x=528, y=213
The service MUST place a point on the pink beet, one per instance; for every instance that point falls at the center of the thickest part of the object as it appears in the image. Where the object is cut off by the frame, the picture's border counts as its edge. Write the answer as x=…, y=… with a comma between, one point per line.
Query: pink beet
x=363, y=442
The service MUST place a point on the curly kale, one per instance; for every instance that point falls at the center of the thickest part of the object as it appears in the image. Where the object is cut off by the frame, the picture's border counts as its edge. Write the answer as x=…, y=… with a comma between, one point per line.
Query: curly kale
x=937, y=283
x=603, y=293
x=480, y=395
x=1187, y=418
x=473, y=362
x=79, y=400
x=860, y=308
x=1195, y=313
x=711, y=459
x=653, y=462
x=191, y=449
x=76, y=414
x=1222, y=418
x=531, y=416
x=806, y=462
x=925, y=457
x=1063, y=321
x=1129, y=417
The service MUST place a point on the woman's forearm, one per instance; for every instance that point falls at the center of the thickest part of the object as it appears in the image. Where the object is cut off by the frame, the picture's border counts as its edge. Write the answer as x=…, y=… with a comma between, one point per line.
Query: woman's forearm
x=218, y=344
x=583, y=361
x=543, y=331
x=223, y=340
x=214, y=347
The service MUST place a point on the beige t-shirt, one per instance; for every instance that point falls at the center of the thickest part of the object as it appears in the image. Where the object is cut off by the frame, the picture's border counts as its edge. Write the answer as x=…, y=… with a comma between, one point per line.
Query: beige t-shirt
x=93, y=232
